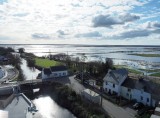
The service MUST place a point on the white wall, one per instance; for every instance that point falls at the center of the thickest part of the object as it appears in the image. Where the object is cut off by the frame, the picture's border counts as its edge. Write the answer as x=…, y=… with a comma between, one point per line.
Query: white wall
x=59, y=73
x=109, y=86
x=137, y=95
x=46, y=76
x=125, y=93
x=55, y=74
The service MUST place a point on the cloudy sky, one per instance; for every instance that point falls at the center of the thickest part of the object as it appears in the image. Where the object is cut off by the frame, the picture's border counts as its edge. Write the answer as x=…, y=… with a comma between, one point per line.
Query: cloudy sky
x=116, y=22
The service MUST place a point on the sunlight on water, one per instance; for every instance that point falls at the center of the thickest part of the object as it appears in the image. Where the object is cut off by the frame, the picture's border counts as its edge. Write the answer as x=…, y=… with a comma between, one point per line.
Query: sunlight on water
x=48, y=108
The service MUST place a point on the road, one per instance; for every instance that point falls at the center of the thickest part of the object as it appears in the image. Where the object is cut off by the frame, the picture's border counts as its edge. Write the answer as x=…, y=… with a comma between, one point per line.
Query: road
x=11, y=74
x=114, y=110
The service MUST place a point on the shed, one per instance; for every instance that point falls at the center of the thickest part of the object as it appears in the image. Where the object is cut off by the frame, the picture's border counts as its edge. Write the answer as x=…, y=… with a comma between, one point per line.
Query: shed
x=91, y=95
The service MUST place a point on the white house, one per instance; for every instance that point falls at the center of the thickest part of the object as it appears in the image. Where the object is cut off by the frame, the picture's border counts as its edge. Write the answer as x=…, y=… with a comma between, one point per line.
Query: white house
x=113, y=81
x=2, y=73
x=54, y=71
x=141, y=90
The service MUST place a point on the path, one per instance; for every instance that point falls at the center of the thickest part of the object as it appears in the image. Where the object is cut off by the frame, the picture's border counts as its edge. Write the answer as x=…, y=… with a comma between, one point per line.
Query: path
x=11, y=73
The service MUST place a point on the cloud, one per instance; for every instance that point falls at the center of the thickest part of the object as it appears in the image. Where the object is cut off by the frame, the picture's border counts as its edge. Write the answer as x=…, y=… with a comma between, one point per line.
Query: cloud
x=108, y=20
x=89, y=35
x=136, y=33
x=153, y=25
x=105, y=21
x=40, y=36
x=61, y=32
x=21, y=14
x=4, y=37
x=129, y=17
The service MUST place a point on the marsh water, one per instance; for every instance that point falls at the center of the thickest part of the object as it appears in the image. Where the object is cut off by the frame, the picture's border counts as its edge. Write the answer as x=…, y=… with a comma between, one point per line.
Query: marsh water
x=119, y=54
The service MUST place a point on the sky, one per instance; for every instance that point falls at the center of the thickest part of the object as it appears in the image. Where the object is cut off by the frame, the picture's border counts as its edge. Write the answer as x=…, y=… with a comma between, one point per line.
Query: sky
x=99, y=22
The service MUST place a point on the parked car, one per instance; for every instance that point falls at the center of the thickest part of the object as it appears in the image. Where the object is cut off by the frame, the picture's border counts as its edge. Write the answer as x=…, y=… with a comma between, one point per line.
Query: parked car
x=138, y=105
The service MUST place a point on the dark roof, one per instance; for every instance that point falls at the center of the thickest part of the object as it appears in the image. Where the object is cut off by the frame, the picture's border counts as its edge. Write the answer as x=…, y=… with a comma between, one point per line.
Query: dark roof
x=58, y=68
x=47, y=71
x=116, y=76
x=143, y=84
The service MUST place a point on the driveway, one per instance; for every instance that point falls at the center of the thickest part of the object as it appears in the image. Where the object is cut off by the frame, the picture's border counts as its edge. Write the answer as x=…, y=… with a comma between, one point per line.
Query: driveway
x=114, y=110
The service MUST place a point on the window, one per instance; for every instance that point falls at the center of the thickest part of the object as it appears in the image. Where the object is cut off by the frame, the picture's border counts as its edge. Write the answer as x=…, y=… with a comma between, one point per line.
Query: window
x=55, y=74
x=127, y=94
x=141, y=98
x=129, y=90
x=106, y=83
x=147, y=99
x=113, y=85
x=64, y=73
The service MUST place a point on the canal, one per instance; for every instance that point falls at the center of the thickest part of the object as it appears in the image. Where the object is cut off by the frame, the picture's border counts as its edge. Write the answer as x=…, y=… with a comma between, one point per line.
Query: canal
x=46, y=106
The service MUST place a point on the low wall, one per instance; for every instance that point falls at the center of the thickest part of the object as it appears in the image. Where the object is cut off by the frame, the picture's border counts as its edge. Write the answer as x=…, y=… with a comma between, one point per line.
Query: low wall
x=4, y=103
x=6, y=90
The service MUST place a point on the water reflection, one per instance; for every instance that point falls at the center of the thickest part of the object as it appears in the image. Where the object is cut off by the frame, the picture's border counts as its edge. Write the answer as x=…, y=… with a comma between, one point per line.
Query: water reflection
x=28, y=72
x=48, y=108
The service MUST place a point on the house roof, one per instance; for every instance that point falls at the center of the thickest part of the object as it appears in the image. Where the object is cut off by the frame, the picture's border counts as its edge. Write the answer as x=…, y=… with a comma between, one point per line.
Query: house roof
x=58, y=68
x=116, y=76
x=47, y=71
x=143, y=84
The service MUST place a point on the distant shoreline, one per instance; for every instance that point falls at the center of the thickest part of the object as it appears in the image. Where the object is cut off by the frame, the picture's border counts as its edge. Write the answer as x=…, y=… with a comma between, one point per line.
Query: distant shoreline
x=90, y=45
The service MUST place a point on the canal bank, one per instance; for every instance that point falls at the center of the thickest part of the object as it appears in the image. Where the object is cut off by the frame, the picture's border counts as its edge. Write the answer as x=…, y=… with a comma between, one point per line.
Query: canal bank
x=67, y=99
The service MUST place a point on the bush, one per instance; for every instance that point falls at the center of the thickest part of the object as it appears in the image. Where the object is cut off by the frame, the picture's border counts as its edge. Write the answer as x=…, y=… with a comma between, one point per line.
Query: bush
x=79, y=107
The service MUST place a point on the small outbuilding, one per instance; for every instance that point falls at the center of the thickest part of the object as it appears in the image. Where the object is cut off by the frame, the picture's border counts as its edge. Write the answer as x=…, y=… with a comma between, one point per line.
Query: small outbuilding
x=91, y=95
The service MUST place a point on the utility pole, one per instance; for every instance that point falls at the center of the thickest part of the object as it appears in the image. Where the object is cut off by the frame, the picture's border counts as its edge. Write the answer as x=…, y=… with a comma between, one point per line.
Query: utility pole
x=83, y=57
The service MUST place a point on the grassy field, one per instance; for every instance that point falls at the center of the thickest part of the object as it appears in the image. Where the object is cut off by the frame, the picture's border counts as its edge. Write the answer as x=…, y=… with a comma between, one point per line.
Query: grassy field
x=150, y=71
x=129, y=69
x=146, y=55
x=156, y=74
x=46, y=62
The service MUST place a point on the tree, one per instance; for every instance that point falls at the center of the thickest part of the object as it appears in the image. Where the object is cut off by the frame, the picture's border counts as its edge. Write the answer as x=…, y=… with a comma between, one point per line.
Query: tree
x=83, y=58
x=108, y=64
x=21, y=50
x=30, y=62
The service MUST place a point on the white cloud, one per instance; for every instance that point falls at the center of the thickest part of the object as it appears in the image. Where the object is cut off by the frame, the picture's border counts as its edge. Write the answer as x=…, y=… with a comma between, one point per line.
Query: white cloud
x=27, y=20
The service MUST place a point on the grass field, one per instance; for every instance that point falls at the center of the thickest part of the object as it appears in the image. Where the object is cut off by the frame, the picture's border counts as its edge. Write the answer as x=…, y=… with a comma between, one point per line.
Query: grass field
x=146, y=55
x=46, y=62
x=156, y=74
x=150, y=71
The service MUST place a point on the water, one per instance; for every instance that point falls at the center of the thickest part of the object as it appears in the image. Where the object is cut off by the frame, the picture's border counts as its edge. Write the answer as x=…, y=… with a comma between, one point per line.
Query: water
x=29, y=73
x=119, y=54
x=48, y=108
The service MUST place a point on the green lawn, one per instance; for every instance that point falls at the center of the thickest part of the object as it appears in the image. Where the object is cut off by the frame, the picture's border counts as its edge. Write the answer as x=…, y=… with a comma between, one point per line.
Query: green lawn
x=146, y=55
x=156, y=74
x=46, y=62
x=150, y=71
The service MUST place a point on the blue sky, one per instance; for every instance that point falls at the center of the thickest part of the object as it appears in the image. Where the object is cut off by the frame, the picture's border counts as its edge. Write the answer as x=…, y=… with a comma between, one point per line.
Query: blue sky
x=115, y=22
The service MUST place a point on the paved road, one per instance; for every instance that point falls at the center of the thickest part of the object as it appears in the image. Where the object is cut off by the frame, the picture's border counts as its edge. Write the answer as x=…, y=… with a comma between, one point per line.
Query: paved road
x=114, y=110
x=11, y=74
